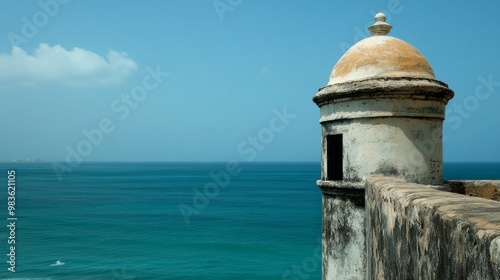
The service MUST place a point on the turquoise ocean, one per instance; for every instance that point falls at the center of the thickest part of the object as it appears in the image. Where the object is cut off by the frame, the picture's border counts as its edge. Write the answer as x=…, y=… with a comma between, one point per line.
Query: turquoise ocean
x=171, y=220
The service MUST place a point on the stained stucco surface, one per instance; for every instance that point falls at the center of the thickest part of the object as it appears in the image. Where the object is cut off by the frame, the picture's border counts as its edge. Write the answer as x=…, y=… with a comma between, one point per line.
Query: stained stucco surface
x=415, y=232
x=380, y=56
x=343, y=238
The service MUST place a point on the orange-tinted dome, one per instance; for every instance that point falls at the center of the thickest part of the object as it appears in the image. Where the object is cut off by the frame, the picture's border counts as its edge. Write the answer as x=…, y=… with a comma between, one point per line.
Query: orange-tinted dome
x=379, y=57
x=382, y=67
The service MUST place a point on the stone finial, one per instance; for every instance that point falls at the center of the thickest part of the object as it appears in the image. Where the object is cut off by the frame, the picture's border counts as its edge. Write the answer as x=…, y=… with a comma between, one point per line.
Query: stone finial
x=380, y=28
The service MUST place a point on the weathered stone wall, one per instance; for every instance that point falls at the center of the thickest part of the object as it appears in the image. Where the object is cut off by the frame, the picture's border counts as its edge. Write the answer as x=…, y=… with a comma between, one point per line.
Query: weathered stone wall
x=482, y=188
x=344, y=239
x=376, y=147
x=415, y=232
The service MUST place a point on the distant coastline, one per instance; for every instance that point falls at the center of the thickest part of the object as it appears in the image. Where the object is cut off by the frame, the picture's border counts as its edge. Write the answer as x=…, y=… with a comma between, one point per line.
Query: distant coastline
x=21, y=161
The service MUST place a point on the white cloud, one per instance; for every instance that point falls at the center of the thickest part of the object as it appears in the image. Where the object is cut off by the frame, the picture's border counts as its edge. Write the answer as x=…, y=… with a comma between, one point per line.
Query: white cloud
x=56, y=65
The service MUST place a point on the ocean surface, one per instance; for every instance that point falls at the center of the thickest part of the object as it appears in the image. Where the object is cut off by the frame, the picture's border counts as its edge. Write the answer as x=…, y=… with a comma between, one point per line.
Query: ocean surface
x=171, y=220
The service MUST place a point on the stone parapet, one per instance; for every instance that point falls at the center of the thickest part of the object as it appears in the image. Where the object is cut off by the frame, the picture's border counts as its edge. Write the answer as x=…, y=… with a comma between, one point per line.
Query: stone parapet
x=416, y=232
x=489, y=189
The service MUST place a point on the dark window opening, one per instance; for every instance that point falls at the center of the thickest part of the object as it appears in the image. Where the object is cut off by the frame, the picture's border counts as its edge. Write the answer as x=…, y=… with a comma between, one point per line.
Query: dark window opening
x=334, y=157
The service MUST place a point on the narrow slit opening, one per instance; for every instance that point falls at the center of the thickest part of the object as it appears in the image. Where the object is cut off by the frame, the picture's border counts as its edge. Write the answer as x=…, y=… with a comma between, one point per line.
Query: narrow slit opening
x=334, y=154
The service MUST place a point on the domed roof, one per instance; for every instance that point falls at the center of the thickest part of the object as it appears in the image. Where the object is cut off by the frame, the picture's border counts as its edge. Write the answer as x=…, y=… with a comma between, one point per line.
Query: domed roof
x=380, y=56
x=382, y=67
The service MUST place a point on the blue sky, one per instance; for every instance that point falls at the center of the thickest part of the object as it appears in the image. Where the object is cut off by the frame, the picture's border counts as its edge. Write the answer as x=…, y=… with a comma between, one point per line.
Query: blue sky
x=186, y=80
